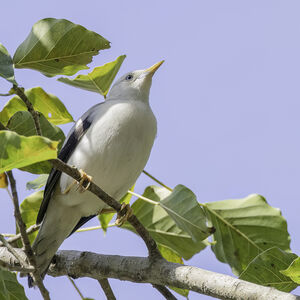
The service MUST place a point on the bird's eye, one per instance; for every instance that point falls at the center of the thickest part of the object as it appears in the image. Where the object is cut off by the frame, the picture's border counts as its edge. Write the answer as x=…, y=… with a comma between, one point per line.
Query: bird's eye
x=129, y=77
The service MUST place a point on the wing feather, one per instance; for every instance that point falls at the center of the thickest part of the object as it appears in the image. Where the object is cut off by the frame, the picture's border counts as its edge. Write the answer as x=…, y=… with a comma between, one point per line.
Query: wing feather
x=72, y=140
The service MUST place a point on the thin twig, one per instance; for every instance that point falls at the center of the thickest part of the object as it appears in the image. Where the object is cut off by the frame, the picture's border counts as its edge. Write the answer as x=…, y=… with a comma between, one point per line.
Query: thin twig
x=16, y=237
x=107, y=289
x=4, y=95
x=158, y=181
x=76, y=288
x=23, y=263
x=164, y=291
x=35, y=115
x=140, y=229
x=25, y=240
x=16, y=268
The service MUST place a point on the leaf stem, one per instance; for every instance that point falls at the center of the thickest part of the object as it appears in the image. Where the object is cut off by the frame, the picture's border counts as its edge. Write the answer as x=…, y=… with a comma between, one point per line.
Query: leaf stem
x=76, y=288
x=144, y=198
x=94, y=228
x=158, y=181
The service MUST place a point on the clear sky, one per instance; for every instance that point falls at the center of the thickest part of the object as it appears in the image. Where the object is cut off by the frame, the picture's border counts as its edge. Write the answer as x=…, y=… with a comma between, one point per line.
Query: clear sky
x=227, y=101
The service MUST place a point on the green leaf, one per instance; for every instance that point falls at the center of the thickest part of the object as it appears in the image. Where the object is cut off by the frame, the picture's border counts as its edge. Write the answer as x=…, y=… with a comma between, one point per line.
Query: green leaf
x=22, y=123
x=49, y=105
x=17, y=151
x=161, y=226
x=10, y=288
x=29, y=209
x=6, y=65
x=99, y=80
x=58, y=46
x=183, y=208
x=265, y=268
x=37, y=183
x=171, y=256
x=106, y=218
x=293, y=271
x=245, y=228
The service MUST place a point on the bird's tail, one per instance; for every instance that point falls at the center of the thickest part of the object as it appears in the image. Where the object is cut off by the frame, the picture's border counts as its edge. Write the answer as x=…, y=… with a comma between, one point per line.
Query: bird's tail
x=57, y=225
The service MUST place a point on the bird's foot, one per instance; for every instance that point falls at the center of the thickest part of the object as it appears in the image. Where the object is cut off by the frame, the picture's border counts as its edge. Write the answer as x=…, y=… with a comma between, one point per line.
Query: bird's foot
x=84, y=182
x=123, y=215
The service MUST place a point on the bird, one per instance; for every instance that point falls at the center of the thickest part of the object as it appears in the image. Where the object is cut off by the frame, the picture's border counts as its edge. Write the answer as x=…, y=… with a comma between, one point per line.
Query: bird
x=111, y=144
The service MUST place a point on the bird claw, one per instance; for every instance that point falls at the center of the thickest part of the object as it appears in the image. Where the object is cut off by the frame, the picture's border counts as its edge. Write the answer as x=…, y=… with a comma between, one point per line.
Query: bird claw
x=124, y=214
x=84, y=182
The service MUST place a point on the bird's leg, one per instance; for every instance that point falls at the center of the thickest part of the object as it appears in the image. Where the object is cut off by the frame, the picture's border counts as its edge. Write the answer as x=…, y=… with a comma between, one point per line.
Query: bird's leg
x=67, y=190
x=84, y=182
x=123, y=215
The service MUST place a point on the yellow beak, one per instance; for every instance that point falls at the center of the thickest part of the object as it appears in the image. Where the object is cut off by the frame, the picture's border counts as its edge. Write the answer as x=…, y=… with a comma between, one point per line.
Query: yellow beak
x=153, y=69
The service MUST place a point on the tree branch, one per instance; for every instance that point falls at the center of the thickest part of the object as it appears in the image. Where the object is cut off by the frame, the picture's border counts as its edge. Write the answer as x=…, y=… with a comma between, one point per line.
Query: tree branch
x=141, y=230
x=164, y=291
x=141, y=270
x=25, y=240
x=17, y=237
x=35, y=115
x=107, y=289
x=22, y=262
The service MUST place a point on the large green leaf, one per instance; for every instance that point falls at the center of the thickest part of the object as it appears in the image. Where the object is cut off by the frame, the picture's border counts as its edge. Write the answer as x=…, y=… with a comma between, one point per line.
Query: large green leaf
x=245, y=228
x=22, y=123
x=37, y=183
x=161, y=226
x=183, y=208
x=58, y=46
x=293, y=271
x=265, y=269
x=49, y=105
x=106, y=218
x=6, y=65
x=17, y=151
x=29, y=209
x=10, y=288
x=99, y=80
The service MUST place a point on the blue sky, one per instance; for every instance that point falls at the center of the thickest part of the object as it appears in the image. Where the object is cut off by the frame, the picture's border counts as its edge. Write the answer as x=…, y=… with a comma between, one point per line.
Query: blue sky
x=227, y=101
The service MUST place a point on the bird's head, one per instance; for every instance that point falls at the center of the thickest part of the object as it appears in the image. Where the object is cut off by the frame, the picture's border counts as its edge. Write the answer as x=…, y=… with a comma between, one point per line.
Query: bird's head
x=134, y=85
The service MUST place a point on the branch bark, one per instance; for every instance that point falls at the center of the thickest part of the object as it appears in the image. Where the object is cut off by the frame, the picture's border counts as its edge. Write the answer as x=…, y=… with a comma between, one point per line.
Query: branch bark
x=24, y=237
x=107, y=289
x=142, y=270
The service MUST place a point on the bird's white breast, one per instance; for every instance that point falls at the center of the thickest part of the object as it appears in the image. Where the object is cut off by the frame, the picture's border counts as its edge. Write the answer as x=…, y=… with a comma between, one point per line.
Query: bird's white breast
x=114, y=151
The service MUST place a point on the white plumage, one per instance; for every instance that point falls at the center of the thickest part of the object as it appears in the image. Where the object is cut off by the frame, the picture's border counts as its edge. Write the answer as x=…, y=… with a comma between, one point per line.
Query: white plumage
x=114, y=149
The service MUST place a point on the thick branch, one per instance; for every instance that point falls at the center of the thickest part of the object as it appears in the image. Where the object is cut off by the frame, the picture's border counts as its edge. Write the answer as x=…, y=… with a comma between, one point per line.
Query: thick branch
x=141, y=230
x=142, y=270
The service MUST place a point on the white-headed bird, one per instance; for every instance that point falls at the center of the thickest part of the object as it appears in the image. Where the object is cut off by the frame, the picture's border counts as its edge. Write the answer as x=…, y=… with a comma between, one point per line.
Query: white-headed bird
x=111, y=142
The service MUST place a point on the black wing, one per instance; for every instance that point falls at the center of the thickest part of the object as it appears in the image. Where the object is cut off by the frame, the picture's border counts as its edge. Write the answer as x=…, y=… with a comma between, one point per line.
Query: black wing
x=72, y=140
